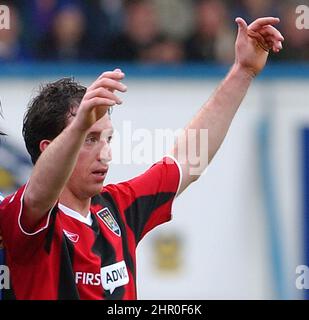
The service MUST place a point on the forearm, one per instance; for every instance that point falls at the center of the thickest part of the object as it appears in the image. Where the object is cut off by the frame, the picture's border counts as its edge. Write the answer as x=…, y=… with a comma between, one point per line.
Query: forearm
x=218, y=112
x=214, y=118
x=52, y=171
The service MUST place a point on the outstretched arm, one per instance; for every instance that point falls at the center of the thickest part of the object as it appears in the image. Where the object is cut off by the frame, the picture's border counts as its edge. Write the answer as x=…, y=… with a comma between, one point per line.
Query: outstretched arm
x=251, y=52
x=57, y=161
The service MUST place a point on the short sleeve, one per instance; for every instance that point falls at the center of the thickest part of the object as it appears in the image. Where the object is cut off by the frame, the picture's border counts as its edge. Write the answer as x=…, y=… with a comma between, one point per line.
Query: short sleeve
x=146, y=201
x=20, y=243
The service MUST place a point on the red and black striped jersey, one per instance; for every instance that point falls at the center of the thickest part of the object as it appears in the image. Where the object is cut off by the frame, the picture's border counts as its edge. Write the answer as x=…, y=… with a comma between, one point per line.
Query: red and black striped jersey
x=73, y=257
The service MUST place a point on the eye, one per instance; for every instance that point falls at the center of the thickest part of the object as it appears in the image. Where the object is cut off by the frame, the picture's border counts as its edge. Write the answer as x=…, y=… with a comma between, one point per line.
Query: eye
x=109, y=139
x=91, y=140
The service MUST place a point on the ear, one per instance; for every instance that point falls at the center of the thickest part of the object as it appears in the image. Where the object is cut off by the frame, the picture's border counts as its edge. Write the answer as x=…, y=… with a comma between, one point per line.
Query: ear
x=44, y=144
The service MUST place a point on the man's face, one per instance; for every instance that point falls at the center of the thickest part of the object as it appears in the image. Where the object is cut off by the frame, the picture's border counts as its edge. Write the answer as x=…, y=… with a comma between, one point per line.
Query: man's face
x=92, y=163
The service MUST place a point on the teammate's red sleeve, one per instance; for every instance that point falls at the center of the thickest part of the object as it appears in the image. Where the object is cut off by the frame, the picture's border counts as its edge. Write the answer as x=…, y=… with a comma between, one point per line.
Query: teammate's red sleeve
x=146, y=201
x=20, y=243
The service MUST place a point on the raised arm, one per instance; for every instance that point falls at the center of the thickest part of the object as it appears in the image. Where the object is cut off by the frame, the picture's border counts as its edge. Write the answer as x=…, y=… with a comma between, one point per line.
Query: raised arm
x=58, y=157
x=213, y=120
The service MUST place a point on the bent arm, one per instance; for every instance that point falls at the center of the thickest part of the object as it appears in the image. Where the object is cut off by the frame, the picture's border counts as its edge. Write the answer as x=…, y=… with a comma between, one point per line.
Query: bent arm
x=57, y=161
x=206, y=132
x=51, y=172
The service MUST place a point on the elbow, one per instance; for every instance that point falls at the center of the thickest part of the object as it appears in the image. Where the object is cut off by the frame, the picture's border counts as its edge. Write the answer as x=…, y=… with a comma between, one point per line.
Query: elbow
x=195, y=177
x=186, y=183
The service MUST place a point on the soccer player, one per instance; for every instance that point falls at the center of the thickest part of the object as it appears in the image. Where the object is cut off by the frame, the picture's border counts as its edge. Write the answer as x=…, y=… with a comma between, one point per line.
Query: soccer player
x=66, y=236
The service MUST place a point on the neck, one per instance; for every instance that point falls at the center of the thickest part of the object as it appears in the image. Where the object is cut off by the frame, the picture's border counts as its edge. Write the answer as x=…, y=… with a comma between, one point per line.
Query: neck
x=78, y=204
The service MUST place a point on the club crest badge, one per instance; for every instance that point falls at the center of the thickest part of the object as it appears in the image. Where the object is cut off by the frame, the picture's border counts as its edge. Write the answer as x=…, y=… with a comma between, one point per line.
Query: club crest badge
x=108, y=219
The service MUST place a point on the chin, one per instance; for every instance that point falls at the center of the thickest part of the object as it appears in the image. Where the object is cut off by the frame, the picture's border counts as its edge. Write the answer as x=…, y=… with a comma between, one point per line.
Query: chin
x=95, y=191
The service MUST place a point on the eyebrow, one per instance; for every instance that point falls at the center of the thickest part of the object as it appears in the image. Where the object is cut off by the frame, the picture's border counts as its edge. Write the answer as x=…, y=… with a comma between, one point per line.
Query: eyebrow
x=110, y=132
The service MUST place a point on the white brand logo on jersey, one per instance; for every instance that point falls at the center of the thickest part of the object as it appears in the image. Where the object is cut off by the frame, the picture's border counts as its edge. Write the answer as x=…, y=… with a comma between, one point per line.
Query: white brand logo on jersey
x=71, y=236
x=115, y=275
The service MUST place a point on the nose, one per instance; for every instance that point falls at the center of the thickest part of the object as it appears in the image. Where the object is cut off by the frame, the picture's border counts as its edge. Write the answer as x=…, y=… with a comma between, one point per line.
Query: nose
x=105, y=152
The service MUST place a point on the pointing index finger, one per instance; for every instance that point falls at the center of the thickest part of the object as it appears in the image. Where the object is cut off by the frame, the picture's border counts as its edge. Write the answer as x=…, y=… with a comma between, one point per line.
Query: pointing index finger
x=117, y=74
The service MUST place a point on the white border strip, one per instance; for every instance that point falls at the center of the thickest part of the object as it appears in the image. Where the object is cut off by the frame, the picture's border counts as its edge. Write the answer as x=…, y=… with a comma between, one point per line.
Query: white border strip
x=19, y=216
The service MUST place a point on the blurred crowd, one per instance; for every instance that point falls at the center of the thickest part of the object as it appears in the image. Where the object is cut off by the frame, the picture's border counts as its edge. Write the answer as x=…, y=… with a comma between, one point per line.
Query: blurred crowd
x=158, y=31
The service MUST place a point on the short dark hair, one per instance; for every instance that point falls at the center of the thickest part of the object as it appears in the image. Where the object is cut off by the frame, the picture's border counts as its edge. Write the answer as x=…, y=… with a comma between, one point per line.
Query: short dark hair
x=48, y=113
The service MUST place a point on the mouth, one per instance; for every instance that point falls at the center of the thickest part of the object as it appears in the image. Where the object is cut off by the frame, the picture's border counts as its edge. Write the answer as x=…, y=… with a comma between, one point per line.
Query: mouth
x=100, y=174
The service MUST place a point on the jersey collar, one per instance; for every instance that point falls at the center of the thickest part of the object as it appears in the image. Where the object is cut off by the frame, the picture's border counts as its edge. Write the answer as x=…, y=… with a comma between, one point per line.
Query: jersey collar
x=76, y=215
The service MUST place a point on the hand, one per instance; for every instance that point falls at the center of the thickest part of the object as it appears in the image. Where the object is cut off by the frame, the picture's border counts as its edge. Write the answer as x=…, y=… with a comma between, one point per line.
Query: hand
x=1, y=242
x=254, y=42
x=99, y=98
